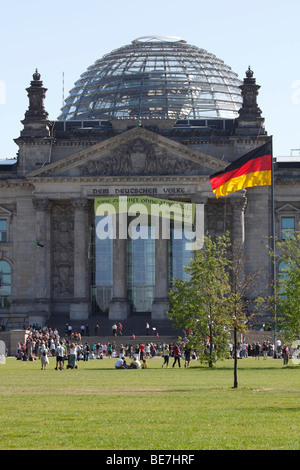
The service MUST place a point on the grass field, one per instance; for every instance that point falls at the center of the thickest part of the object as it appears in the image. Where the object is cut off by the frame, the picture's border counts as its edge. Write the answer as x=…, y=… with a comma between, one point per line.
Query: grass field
x=98, y=407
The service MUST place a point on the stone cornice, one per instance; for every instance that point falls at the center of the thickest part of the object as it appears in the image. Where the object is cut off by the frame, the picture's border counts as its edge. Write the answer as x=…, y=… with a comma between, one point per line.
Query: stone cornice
x=119, y=179
x=112, y=143
x=11, y=182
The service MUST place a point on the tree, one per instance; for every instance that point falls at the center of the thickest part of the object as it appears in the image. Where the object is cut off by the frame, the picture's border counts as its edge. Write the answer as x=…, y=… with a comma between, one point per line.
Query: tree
x=218, y=297
x=242, y=300
x=287, y=289
x=198, y=305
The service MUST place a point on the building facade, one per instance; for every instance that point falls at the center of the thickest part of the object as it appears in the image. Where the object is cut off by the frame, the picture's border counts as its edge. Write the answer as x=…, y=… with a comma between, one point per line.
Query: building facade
x=155, y=119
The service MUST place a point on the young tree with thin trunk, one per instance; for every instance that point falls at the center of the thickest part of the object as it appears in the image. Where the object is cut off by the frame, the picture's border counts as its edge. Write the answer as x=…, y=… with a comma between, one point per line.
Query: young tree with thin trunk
x=197, y=306
x=245, y=295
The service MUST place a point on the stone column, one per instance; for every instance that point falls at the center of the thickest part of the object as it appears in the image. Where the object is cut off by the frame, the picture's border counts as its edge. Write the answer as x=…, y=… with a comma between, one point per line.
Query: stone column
x=119, y=307
x=80, y=309
x=238, y=219
x=200, y=224
x=160, y=305
x=42, y=257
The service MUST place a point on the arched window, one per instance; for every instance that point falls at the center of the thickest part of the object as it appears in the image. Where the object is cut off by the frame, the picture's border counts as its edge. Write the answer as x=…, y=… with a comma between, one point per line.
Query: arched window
x=5, y=284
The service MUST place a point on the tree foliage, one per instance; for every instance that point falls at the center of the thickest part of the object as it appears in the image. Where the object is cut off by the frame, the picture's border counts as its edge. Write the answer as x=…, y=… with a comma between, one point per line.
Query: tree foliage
x=245, y=295
x=218, y=298
x=197, y=306
x=287, y=289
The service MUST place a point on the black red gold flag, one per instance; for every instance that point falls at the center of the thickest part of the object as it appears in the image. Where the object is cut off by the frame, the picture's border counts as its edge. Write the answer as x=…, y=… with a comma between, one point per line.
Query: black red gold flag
x=252, y=169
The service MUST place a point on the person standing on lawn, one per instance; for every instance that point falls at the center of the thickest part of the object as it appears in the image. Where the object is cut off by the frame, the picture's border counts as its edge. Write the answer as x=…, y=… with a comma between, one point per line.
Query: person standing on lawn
x=166, y=356
x=176, y=355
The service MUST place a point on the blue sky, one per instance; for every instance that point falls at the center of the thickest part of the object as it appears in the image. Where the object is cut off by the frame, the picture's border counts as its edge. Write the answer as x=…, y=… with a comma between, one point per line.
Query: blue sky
x=68, y=36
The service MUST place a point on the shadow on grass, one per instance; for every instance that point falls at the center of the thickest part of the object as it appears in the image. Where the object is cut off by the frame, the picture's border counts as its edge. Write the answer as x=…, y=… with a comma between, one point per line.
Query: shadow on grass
x=218, y=367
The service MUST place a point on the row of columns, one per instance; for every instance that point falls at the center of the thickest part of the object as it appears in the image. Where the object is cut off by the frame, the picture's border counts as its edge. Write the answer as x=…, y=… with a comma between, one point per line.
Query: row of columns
x=119, y=307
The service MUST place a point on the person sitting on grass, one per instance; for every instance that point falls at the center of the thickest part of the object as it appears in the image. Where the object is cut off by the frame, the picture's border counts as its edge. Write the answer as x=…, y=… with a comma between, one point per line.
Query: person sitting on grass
x=135, y=363
x=144, y=364
x=120, y=363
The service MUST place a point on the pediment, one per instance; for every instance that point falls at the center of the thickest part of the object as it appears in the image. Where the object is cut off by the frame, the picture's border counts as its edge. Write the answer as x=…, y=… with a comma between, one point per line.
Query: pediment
x=137, y=152
x=5, y=212
x=287, y=208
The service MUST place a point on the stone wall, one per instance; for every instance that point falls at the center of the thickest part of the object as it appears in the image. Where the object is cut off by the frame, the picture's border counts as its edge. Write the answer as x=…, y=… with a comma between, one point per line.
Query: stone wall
x=12, y=338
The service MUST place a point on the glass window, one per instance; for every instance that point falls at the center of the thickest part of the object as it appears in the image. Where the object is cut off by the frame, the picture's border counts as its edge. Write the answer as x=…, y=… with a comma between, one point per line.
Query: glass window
x=172, y=67
x=180, y=255
x=287, y=227
x=141, y=270
x=102, y=267
x=282, y=276
x=3, y=230
x=5, y=284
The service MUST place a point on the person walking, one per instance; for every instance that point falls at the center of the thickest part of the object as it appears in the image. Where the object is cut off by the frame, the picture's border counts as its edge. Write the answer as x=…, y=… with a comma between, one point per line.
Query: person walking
x=166, y=356
x=59, y=356
x=265, y=350
x=285, y=355
x=176, y=355
x=257, y=350
x=114, y=329
x=86, y=352
x=44, y=356
x=109, y=350
x=187, y=356
x=142, y=348
x=72, y=357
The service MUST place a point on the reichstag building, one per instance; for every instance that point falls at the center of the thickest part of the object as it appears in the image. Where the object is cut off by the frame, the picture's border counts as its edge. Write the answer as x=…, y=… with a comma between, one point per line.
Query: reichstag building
x=152, y=119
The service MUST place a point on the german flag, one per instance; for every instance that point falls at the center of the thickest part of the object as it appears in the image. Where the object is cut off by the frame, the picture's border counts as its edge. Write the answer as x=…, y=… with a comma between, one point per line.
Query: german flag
x=252, y=169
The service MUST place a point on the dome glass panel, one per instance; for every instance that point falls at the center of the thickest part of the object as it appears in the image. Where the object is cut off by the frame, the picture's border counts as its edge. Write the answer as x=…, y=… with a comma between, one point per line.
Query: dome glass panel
x=155, y=77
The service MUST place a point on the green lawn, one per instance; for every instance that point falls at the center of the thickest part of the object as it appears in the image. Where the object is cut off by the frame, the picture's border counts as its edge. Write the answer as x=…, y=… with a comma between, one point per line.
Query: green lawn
x=98, y=407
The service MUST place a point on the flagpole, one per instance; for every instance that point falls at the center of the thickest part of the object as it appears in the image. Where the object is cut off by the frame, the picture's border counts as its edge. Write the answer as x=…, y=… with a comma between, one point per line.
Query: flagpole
x=273, y=241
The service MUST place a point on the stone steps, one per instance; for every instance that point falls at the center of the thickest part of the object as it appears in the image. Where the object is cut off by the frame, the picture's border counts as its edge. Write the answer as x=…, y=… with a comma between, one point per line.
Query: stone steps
x=126, y=340
x=134, y=324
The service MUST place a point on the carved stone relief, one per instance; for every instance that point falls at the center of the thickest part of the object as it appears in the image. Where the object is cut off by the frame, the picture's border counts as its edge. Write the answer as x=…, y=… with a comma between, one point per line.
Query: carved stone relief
x=139, y=158
x=62, y=251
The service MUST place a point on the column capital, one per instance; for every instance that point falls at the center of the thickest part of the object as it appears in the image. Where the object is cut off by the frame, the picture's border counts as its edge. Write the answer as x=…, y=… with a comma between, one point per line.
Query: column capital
x=41, y=204
x=80, y=203
x=199, y=198
x=239, y=203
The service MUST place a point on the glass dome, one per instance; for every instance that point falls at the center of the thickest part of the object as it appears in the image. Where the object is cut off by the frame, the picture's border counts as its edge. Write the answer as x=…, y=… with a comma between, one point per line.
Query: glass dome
x=155, y=77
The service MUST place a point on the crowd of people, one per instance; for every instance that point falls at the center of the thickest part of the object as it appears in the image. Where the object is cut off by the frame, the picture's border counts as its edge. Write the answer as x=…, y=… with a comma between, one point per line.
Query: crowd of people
x=264, y=350
x=42, y=343
x=166, y=351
